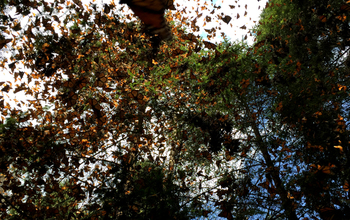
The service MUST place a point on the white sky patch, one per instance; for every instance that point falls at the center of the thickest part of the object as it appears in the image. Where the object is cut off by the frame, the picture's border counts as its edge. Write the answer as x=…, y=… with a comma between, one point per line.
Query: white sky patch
x=245, y=15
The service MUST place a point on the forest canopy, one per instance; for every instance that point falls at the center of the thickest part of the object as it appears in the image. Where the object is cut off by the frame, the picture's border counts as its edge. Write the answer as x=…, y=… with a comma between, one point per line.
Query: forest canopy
x=131, y=118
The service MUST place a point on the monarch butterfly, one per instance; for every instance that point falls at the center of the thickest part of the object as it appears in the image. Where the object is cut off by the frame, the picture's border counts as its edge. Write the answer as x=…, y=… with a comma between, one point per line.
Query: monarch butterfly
x=177, y=52
x=151, y=13
x=226, y=19
x=168, y=75
x=209, y=45
x=71, y=100
x=191, y=37
x=323, y=18
x=345, y=7
x=82, y=82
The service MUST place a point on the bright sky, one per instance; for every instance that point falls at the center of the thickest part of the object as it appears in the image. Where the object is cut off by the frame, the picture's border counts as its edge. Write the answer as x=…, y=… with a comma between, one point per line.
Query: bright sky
x=244, y=13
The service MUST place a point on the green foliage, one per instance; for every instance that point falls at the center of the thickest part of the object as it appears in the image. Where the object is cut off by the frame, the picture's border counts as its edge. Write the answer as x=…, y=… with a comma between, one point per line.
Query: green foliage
x=148, y=194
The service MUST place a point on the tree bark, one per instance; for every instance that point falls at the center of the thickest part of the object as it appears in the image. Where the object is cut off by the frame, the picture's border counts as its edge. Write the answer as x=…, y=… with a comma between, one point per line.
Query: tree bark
x=287, y=204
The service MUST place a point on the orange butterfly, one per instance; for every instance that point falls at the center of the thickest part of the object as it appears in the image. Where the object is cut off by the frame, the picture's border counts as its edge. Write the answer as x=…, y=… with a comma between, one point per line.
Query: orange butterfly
x=151, y=13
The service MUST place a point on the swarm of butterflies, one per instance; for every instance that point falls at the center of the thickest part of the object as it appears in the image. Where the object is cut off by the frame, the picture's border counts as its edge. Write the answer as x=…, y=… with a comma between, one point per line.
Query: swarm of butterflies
x=151, y=13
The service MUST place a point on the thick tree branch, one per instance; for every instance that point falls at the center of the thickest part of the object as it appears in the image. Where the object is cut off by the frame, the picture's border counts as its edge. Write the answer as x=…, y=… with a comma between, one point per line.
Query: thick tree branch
x=286, y=202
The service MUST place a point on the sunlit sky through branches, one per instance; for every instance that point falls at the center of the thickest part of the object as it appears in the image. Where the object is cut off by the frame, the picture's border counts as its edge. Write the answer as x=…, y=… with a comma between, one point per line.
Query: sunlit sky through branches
x=244, y=16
